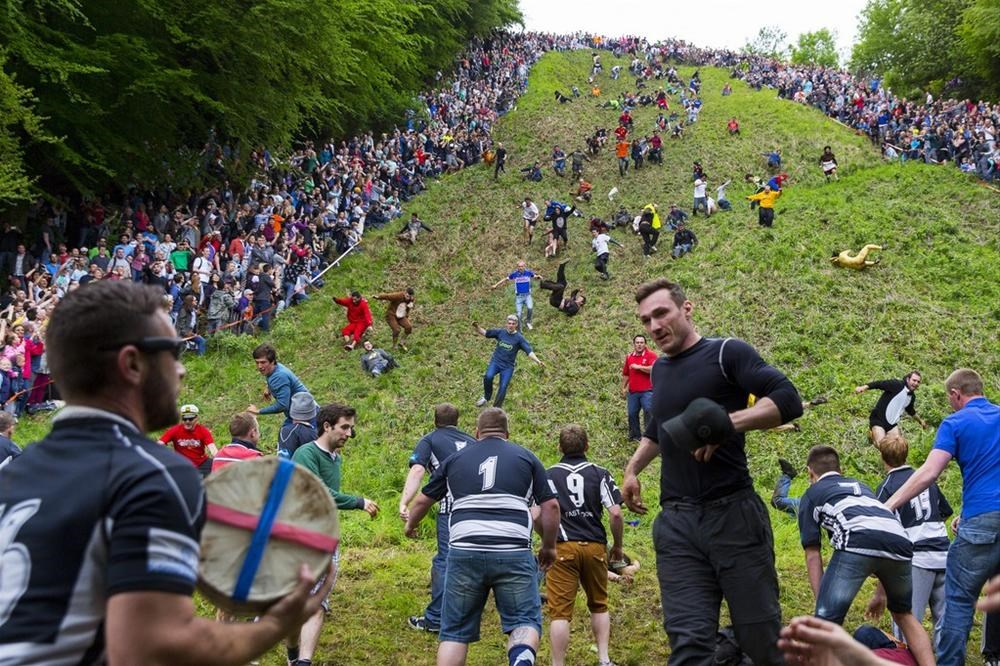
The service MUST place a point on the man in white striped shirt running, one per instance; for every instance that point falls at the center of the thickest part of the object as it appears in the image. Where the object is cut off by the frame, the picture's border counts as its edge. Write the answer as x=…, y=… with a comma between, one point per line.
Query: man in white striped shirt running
x=867, y=540
x=492, y=485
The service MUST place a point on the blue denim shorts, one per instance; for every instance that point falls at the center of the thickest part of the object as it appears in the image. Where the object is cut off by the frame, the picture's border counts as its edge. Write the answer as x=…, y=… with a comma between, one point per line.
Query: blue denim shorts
x=469, y=577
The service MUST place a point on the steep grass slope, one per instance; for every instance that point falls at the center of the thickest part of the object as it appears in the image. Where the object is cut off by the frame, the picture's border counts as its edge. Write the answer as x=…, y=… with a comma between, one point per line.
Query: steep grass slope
x=932, y=303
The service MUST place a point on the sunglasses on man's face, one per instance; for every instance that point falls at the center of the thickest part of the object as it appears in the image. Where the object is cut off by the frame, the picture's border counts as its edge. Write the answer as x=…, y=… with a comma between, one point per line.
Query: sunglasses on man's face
x=189, y=419
x=152, y=345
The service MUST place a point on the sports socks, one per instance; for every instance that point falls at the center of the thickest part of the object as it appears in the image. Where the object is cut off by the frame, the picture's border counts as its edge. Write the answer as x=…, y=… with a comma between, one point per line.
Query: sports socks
x=521, y=655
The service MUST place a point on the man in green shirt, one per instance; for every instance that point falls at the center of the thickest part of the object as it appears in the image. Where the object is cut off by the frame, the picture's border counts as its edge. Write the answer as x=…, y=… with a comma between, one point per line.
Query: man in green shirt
x=181, y=257
x=335, y=424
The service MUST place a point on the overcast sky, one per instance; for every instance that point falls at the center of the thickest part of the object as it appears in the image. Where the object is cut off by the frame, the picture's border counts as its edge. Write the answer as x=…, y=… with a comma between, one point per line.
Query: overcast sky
x=715, y=23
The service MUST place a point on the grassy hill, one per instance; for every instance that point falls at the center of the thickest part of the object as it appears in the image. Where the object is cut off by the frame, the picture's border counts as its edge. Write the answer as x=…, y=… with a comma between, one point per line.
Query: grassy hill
x=930, y=304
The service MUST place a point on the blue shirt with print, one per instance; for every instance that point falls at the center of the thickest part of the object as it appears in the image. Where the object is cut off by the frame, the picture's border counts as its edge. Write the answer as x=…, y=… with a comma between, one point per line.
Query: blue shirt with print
x=505, y=354
x=522, y=281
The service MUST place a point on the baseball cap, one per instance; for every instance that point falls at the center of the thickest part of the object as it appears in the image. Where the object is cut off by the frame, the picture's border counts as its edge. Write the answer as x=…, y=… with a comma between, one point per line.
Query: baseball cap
x=189, y=410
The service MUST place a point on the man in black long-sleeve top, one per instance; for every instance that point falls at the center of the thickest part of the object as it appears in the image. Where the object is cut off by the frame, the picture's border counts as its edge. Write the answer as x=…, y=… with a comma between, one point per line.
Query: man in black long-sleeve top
x=713, y=536
x=897, y=397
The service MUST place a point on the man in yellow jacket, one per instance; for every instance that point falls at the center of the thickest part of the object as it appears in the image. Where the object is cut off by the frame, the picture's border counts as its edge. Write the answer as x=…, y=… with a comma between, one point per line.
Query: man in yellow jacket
x=766, y=199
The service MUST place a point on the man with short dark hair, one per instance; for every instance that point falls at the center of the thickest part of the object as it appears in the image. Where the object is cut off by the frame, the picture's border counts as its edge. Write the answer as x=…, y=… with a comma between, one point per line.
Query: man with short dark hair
x=971, y=435
x=491, y=485
x=713, y=536
x=397, y=313
x=282, y=383
x=433, y=449
x=106, y=521
x=359, y=318
x=867, y=539
x=335, y=424
x=897, y=397
x=637, y=385
x=584, y=490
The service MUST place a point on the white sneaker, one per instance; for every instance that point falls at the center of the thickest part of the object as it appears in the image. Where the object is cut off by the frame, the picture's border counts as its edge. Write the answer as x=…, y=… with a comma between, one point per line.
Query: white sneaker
x=481, y=401
x=530, y=327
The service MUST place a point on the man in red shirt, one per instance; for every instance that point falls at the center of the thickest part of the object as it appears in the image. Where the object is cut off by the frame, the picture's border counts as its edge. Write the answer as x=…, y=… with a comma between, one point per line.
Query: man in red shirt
x=637, y=385
x=359, y=318
x=245, y=432
x=192, y=440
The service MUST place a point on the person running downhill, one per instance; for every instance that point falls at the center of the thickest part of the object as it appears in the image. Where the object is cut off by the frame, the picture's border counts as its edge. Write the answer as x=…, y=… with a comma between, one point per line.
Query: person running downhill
x=898, y=396
x=521, y=278
x=509, y=341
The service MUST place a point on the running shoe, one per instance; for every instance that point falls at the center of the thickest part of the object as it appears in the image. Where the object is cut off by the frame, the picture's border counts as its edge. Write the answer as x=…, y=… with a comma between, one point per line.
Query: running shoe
x=420, y=623
x=787, y=468
x=821, y=400
x=482, y=401
x=530, y=327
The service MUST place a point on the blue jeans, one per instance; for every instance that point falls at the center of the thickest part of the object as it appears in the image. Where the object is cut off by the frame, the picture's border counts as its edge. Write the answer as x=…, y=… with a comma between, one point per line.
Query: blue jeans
x=681, y=249
x=847, y=572
x=636, y=401
x=432, y=614
x=781, y=500
x=492, y=370
x=470, y=576
x=265, y=319
x=520, y=302
x=198, y=343
x=974, y=556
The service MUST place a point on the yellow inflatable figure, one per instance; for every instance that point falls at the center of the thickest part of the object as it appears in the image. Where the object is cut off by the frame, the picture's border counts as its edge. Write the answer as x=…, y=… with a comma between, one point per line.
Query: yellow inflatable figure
x=858, y=262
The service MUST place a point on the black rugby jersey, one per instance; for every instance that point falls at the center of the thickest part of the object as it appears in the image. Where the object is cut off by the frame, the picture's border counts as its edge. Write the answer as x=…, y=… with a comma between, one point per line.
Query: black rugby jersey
x=437, y=446
x=584, y=491
x=92, y=510
x=855, y=520
x=923, y=519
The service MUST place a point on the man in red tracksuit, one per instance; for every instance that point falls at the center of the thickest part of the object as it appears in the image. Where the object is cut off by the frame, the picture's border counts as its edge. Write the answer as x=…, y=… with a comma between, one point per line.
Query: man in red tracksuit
x=359, y=318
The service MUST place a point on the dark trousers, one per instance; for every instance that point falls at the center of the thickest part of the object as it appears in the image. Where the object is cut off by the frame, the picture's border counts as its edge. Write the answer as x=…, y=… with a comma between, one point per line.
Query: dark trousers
x=709, y=551
x=601, y=263
x=557, y=288
x=765, y=216
x=649, y=238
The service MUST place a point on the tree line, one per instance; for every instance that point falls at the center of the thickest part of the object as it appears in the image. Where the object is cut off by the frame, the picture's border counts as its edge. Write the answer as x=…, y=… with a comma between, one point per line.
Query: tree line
x=97, y=94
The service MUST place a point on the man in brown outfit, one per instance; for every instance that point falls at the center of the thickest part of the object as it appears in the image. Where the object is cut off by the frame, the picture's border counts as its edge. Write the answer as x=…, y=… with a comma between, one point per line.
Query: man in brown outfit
x=397, y=313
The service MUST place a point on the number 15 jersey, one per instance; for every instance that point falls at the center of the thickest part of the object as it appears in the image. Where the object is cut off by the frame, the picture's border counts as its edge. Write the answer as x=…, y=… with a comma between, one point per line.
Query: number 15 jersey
x=492, y=484
x=584, y=490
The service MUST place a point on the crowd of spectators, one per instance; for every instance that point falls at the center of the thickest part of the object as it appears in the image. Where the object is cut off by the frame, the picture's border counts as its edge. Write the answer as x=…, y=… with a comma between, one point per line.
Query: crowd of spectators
x=231, y=260
x=962, y=132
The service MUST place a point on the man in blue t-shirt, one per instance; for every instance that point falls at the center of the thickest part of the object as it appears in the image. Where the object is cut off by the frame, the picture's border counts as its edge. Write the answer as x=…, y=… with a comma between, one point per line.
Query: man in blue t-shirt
x=491, y=485
x=509, y=341
x=972, y=436
x=521, y=278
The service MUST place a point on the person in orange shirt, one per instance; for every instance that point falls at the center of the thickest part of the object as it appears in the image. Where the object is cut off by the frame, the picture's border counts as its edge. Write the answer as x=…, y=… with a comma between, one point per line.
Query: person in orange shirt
x=621, y=152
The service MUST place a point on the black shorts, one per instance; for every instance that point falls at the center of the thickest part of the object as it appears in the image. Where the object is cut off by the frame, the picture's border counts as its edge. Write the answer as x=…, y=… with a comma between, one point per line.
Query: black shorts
x=558, y=233
x=530, y=223
x=880, y=421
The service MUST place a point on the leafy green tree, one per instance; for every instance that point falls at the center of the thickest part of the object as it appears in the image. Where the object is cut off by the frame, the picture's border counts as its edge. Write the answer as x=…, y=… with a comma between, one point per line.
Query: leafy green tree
x=770, y=41
x=144, y=92
x=980, y=34
x=816, y=48
x=916, y=44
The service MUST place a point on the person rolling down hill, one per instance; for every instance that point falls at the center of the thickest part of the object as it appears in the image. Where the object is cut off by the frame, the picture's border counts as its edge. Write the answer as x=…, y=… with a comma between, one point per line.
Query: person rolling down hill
x=859, y=261
x=569, y=306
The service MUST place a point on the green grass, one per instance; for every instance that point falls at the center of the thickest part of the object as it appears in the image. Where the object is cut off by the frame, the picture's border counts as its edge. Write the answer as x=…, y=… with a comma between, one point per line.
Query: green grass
x=930, y=304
